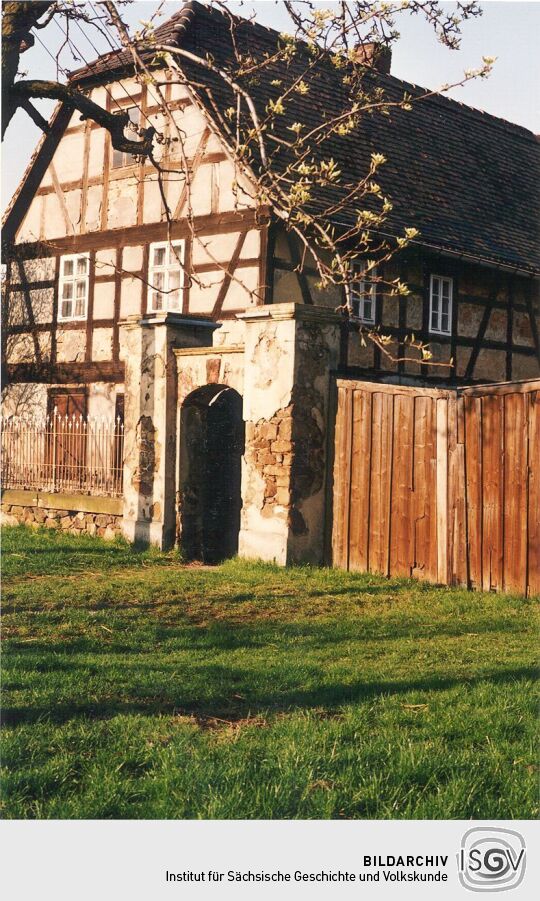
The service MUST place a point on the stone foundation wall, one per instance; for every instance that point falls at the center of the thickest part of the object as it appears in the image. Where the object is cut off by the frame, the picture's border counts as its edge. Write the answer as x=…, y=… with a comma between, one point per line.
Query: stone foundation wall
x=105, y=525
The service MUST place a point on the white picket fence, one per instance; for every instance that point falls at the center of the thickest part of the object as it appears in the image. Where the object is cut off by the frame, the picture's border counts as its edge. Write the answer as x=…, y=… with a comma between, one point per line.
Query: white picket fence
x=63, y=453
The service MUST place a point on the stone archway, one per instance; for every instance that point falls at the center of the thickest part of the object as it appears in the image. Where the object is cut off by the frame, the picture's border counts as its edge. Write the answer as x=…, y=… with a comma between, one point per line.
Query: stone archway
x=211, y=448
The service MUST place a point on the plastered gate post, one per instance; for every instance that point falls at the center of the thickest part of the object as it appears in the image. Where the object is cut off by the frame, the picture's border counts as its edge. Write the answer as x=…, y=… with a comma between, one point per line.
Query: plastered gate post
x=290, y=350
x=150, y=436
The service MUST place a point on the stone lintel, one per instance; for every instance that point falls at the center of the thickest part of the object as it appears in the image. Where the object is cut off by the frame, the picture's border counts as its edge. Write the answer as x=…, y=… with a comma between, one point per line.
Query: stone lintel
x=286, y=311
x=213, y=351
x=177, y=320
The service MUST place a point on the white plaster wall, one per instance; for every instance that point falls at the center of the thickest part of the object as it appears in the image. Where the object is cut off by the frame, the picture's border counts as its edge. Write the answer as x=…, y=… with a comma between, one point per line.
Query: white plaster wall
x=132, y=259
x=30, y=228
x=29, y=399
x=153, y=210
x=270, y=355
x=70, y=347
x=231, y=331
x=72, y=200
x=208, y=248
x=242, y=291
x=122, y=203
x=21, y=349
x=102, y=344
x=204, y=291
x=40, y=269
x=69, y=156
x=97, y=149
x=54, y=225
x=94, y=202
x=118, y=89
x=104, y=300
x=131, y=297
x=102, y=400
x=106, y=262
x=41, y=301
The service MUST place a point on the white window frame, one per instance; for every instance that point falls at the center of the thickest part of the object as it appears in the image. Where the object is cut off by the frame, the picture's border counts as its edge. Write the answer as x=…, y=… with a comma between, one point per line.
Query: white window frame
x=435, y=304
x=172, y=263
x=363, y=292
x=72, y=280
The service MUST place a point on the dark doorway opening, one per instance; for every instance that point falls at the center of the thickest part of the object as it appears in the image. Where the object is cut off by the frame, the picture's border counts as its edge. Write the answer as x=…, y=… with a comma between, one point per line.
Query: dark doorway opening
x=211, y=448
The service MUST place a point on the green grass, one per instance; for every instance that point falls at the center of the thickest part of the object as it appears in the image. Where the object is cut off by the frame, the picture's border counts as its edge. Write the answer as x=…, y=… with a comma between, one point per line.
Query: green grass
x=135, y=687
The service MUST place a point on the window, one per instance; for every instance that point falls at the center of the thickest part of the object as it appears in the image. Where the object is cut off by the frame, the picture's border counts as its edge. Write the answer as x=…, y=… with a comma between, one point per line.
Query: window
x=440, y=305
x=73, y=286
x=364, y=293
x=119, y=158
x=166, y=276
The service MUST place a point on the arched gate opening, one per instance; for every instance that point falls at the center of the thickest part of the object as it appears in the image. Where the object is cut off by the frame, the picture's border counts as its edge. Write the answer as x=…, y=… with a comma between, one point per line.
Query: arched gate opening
x=211, y=448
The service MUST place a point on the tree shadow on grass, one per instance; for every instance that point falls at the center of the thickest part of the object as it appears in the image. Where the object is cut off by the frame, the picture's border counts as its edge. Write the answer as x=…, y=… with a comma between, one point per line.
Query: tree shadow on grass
x=251, y=632
x=223, y=700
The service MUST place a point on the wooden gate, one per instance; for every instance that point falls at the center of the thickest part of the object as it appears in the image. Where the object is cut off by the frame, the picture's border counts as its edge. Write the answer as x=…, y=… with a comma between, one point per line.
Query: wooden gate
x=440, y=484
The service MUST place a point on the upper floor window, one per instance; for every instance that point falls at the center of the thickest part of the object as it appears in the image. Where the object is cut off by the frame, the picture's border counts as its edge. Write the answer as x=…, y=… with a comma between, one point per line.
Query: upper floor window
x=440, y=304
x=166, y=276
x=73, y=286
x=119, y=158
x=364, y=293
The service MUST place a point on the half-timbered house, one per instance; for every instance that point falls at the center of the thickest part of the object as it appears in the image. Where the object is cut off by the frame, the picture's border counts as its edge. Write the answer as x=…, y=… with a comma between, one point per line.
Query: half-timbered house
x=197, y=325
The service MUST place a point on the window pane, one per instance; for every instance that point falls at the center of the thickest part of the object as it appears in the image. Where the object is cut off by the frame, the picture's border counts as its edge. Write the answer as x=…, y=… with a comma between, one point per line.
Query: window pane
x=174, y=280
x=134, y=115
x=80, y=306
x=445, y=306
x=117, y=159
x=66, y=309
x=67, y=290
x=68, y=267
x=444, y=322
x=434, y=320
x=446, y=289
x=159, y=256
x=158, y=280
x=175, y=255
x=81, y=288
x=157, y=300
x=368, y=316
x=174, y=300
x=82, y=263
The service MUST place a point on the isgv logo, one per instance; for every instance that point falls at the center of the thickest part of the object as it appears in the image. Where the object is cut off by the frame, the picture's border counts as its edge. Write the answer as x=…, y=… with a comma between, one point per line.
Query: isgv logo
x=491, y=859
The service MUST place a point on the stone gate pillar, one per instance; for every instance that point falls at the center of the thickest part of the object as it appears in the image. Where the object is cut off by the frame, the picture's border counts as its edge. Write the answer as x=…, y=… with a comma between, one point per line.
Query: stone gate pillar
x=150, y=420
x=290, y=350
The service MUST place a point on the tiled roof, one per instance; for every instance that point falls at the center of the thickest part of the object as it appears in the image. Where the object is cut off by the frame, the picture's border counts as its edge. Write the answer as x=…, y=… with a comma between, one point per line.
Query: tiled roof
x=467, y=180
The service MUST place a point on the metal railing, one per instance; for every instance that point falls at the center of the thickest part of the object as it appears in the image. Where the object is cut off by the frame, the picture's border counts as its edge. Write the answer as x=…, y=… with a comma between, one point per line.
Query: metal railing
x=63, y=453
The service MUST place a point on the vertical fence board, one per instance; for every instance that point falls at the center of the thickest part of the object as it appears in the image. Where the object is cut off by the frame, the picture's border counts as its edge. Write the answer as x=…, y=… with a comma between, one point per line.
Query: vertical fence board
x=452, y=537
x=534, y=494
x=460, y=567
x=339, y=498
x=424, y=537
x=442, y=490
x=360, y=481
x=401, y=512
x=515, y=494
x=381, y=483
x=473, y=485
x=493, y=479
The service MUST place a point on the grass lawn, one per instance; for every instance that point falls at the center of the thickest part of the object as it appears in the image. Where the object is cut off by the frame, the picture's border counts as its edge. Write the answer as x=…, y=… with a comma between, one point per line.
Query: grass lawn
x=135, y=687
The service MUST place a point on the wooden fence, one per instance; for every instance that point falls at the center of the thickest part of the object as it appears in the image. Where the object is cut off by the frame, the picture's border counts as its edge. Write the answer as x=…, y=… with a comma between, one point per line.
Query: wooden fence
x=439, y=484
